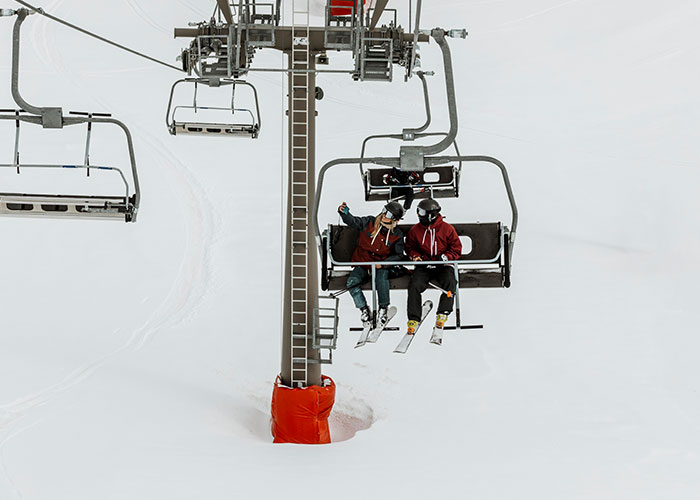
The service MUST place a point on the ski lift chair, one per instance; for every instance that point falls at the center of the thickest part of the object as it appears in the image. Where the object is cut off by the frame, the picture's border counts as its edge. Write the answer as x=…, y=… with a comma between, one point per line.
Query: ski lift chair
x=486, y=265
x=122, y=207
x=247, y=127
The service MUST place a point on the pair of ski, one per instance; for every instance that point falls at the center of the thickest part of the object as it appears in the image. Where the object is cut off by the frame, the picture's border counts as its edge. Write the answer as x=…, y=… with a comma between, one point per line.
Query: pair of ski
x=371, y=335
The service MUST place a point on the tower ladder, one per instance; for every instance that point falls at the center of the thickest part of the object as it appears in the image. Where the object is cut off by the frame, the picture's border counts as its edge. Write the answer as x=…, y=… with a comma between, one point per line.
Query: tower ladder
x=299, y=218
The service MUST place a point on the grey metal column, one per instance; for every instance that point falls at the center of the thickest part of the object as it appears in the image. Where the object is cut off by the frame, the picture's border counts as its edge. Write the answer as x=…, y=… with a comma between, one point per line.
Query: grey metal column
x=299, y=359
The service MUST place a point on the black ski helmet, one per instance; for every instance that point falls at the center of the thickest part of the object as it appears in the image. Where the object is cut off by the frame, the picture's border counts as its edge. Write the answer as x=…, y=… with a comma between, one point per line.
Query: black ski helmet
x=395, y=209
x=428, y=210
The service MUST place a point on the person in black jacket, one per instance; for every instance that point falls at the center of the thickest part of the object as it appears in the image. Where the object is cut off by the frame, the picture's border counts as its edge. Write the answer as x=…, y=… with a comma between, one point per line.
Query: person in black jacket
x=379, y=240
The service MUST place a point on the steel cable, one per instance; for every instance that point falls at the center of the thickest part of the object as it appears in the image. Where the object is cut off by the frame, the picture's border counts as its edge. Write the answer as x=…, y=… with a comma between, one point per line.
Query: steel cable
x=41, y=11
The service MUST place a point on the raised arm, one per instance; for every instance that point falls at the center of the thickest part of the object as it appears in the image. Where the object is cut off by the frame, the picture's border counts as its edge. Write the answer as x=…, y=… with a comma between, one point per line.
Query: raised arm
x=350, y=220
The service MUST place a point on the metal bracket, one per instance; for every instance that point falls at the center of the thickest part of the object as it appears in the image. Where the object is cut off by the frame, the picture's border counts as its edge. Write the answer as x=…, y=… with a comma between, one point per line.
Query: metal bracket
x=52, y=117
x=412, y=158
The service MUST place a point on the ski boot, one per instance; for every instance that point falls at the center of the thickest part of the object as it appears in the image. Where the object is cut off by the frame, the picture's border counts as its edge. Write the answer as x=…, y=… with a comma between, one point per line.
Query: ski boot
x=365, y=315
x=412, y=326
x=383, y=315
x=440, y=320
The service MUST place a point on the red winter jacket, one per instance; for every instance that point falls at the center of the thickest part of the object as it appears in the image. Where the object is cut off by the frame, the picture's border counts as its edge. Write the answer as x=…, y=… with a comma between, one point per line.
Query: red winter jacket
x=430, y=243
x=385, y=246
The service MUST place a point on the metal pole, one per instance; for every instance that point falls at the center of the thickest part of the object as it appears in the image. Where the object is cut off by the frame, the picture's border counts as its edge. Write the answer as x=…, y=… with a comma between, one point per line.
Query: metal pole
x=301, y=168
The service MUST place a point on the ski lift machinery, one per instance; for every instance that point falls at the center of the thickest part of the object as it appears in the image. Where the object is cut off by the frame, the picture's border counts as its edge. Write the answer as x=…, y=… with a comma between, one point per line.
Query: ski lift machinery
x=487, y=265
x=121, y=207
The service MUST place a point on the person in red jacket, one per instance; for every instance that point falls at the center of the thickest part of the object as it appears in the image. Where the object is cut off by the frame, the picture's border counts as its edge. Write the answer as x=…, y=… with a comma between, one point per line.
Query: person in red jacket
x=379, y=240
x=432, y=239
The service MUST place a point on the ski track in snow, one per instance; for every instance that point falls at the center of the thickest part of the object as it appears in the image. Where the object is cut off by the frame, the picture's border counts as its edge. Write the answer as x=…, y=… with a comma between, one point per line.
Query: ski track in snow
x=193, y=9
x=138, y=10
x=186, y=293
x=530, y=16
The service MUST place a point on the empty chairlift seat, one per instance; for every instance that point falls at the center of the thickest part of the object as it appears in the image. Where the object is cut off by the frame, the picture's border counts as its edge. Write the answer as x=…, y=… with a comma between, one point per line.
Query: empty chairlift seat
x=231, y=121
x=388, y=183
x=485, y=265
x=116, y=207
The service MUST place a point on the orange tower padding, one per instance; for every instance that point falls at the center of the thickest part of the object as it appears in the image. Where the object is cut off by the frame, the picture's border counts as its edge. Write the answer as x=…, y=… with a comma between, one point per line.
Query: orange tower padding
x=344, y=7
x=301, y=415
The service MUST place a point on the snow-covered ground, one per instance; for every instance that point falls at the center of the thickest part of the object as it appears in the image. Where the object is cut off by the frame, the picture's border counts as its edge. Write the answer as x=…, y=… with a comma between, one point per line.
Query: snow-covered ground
x=137, y=360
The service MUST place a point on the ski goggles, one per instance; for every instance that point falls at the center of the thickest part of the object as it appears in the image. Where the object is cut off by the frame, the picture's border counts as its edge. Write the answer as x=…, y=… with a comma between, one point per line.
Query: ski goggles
x=422, y=212
x=388, y=214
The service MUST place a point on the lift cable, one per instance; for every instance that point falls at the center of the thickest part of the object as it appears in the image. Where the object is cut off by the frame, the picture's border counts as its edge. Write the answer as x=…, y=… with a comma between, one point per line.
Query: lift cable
x=86, y=32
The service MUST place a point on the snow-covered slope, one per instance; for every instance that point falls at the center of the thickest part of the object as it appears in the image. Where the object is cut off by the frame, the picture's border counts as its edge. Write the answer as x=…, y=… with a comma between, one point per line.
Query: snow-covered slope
x=137, y=361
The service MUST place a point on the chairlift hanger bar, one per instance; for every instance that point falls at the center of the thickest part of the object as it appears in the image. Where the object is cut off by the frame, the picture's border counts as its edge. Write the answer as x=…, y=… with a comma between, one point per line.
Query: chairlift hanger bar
x=225, y=9
x=377, y=14
x=41, y=11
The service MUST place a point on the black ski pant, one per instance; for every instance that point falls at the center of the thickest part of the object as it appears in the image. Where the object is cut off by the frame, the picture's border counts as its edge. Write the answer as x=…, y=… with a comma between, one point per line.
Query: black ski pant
x=442, y=276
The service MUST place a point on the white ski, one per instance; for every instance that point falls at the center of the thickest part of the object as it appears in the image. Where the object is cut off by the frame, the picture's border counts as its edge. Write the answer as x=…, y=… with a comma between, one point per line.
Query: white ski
x=366, y=327
x=436, y=337
x=408, y=338
x=374, y=334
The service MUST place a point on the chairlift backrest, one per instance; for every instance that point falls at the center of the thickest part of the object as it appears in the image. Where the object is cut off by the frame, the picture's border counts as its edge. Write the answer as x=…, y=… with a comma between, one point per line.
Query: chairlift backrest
x=485, y=238
x=485, y=266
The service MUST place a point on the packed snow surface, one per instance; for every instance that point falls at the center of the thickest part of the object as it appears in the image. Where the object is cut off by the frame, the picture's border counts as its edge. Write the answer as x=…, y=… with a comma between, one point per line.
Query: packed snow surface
x=137, y=360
